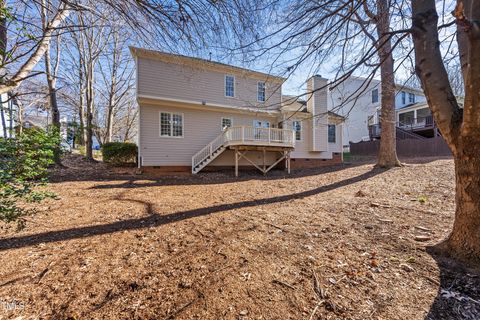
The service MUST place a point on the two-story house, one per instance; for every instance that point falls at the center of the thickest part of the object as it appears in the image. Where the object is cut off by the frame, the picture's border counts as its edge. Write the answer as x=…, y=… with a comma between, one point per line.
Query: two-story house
x=196, y=114
x=359, y=101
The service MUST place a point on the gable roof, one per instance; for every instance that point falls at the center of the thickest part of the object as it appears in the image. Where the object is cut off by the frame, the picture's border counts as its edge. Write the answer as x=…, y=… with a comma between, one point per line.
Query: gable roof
x=398, y=86
x=186, y=60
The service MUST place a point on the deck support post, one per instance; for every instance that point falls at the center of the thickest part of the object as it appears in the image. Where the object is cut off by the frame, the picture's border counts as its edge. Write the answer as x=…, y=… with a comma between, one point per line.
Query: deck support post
x=236, y=162
x=264, y=162
x=241, y=152
x=288, y=161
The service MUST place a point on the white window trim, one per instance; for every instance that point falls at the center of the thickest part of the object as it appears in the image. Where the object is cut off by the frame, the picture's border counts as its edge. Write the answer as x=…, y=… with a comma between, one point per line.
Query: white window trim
x=328, y=127
x=378, y=96
x=411, y=97
x=221, y=121
x=264, y=91
x=171, y=125
x=301, y=130
x=225, y=86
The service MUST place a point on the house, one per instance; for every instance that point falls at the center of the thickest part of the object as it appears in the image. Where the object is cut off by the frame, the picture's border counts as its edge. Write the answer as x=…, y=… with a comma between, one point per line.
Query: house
x=198, y=114
x=358, y=99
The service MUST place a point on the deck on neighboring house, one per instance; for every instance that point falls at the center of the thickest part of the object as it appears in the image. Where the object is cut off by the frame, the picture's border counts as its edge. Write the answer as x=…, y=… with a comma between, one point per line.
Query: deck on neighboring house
x=412, y=128
x=243, y=139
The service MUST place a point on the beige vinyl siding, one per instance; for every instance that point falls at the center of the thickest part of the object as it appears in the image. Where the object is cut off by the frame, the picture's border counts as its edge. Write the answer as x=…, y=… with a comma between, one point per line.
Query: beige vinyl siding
x=338, y=145
x=317, y=105
x=200, y=85
x=200, y=128
x=303, y=147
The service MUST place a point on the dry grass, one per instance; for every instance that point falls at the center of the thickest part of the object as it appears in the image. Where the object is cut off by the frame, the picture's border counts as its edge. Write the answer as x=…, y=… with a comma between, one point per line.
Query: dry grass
x=334, y=243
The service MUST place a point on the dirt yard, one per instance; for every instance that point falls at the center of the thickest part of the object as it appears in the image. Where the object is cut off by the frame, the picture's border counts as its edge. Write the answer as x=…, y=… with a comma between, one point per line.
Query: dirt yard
x=346, y=242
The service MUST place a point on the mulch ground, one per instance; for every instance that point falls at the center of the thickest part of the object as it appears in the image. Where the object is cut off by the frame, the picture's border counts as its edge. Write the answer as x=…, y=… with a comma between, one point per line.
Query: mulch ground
x=345, y=242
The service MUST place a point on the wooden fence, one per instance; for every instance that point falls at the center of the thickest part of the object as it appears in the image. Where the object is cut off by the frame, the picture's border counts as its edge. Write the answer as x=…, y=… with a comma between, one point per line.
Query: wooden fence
x=432, y=147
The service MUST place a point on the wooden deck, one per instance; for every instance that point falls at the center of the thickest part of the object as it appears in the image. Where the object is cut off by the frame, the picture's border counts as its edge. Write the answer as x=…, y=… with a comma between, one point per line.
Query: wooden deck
x=424, y=127
x=243, y=139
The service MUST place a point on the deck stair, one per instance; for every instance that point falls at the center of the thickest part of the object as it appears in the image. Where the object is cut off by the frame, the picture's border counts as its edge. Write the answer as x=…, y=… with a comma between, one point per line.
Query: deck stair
x=208, y=153
x=242, y=136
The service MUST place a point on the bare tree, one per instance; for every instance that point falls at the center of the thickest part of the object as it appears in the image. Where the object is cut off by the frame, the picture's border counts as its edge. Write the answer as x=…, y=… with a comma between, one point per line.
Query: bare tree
x=92, y=41
x=116, y=73
x=354, y=36
x=40, y=46
x=461, y=129
x=51, y=71
x=387, y=155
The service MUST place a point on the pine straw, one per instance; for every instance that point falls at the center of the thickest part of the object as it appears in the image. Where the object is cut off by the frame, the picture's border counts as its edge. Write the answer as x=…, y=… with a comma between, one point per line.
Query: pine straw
x=336, y=243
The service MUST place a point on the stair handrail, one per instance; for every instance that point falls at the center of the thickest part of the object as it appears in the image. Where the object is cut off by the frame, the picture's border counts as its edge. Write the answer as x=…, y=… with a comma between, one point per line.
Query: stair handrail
x=208, y=150
x=411, y=134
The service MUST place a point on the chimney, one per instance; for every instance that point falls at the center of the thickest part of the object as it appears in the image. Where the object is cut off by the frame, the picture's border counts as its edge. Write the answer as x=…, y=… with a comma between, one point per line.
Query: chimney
x=317, y=106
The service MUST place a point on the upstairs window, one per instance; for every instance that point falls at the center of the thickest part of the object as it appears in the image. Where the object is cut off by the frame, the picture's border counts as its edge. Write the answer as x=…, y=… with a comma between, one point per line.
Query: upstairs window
x=411, y=97
x=171, y=125
x=374, y=95
x=261, y=91
x=403, y=97
x=229, y=86
x=226, y=123
x=297, y=127
x=332, y=133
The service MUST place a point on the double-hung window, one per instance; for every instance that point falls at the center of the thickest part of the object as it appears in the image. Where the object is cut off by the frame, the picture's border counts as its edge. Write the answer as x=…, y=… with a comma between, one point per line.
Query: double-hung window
x=374, y=95
x=411, y=97
x=297, y=127
x=261, y=91
x=171, y=124
x=226, y=123
x=229, y=86
x=403, y=97
x=332, y=135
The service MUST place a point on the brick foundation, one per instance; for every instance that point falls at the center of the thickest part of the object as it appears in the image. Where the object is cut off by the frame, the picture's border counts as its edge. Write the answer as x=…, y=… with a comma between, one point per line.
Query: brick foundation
x=166, y=169
x=315, y=163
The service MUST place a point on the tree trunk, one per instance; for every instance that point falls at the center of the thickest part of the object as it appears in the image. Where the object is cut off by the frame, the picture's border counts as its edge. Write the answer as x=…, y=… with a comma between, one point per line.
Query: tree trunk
x=110, y=113
x=461, y=130
x=387, y=154
x=2, y=116
x=89, y=113
x=464, y=240
x=20, y=116
x=52, y=82
x=81, y=109
x=52, y=93
x=3, y=49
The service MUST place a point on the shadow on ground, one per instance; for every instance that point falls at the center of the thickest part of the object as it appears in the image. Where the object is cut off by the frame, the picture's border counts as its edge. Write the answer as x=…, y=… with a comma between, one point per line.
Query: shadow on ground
x=458, y=294
x=154, y=219
x=77, y=169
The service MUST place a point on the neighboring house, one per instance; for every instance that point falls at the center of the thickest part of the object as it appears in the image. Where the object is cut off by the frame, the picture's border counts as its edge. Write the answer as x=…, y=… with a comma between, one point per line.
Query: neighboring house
x=43, y=121
x=412, y=121
x=359, y=100
x=36, y=121
x=417, y=118
x=195, y=113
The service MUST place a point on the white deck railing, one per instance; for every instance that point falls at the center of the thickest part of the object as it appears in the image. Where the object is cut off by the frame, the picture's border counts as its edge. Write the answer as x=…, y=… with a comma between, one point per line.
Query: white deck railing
x=208, y=150
x=245, y=135
x=239, y=135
